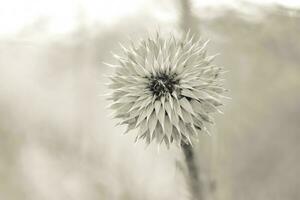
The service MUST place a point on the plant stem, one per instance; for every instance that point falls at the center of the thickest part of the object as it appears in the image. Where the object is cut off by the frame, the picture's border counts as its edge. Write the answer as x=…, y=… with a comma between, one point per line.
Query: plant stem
x=193, y=179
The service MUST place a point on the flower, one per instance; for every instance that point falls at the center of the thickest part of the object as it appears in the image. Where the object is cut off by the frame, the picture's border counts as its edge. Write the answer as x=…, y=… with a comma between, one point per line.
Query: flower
x=167, y=88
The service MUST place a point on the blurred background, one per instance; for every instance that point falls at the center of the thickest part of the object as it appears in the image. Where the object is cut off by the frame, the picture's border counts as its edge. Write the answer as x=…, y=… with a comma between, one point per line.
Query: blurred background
x=57, y=140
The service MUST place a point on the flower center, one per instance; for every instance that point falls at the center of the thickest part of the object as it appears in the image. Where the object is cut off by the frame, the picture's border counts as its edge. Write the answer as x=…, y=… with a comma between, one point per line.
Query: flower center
x=162, y=84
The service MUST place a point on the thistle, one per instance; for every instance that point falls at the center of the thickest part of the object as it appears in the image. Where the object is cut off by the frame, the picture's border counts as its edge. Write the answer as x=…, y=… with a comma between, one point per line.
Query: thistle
x=166, y=88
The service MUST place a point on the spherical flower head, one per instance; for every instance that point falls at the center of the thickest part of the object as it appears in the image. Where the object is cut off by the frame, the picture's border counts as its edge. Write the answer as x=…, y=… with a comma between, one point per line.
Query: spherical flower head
x=166, y=88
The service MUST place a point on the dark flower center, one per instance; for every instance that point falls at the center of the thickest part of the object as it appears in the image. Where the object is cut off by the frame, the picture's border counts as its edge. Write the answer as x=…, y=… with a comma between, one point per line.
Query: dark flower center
x=162, y=84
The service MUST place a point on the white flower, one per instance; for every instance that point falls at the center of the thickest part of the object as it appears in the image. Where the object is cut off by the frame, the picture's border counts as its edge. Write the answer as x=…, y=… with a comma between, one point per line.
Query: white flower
x=166, y=88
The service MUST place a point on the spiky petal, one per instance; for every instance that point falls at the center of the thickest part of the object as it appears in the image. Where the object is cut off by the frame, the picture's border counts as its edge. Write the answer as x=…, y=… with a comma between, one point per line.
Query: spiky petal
x=167, y=88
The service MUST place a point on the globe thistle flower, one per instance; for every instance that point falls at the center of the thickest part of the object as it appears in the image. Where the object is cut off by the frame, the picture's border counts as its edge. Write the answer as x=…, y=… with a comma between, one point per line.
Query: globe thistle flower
x=166, y=88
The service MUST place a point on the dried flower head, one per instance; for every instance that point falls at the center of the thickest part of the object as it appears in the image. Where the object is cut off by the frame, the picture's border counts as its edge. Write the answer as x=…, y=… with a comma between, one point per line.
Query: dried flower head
x=166, y=88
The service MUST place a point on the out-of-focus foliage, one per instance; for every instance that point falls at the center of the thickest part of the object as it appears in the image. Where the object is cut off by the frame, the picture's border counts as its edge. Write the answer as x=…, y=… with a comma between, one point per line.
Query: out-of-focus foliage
x=58, y=142
x=260, y=131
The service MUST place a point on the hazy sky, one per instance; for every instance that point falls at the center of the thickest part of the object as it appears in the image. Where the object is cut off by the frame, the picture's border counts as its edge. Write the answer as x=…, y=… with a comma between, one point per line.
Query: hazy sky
x=63, y=15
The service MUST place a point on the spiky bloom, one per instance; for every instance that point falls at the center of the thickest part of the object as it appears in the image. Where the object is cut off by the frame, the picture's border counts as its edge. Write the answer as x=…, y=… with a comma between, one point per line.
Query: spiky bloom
x=166, y=88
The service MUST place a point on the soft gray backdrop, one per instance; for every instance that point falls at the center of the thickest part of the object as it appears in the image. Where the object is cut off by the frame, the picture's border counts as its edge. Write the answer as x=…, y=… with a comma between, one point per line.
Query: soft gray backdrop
x=58, y=142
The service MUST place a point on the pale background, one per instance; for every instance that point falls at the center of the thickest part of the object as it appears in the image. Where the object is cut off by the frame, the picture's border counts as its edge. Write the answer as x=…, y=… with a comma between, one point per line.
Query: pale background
x=57, y=141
